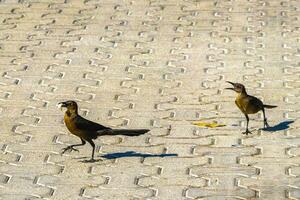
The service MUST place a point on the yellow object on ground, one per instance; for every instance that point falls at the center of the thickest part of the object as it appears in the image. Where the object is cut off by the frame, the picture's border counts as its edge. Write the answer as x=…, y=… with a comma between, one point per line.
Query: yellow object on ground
x=207, y=124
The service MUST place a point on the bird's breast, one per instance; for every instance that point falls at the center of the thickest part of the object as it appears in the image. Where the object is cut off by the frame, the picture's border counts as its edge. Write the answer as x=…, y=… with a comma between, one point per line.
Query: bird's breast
x=239, y=104
x=69, y=121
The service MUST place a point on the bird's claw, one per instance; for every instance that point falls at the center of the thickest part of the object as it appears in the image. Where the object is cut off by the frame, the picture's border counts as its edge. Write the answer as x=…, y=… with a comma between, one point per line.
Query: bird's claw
x=69, y=149
x=246, y=132
x=266, y=125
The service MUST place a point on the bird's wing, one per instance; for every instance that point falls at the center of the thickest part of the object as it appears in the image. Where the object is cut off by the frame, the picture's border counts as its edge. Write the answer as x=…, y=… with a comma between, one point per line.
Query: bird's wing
x=255, y=101
x=251, y=104
x=87, y=125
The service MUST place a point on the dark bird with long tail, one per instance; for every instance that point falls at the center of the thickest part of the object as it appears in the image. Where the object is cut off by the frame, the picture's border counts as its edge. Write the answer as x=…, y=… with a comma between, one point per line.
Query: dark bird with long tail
x=87, y=130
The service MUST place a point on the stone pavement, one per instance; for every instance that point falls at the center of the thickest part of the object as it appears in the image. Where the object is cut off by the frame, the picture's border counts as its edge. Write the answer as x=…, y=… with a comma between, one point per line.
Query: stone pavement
x=157, y=64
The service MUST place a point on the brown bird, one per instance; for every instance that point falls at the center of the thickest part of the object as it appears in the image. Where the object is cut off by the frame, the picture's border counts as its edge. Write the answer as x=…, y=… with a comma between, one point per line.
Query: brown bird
x=248, y=104
x=87, y=130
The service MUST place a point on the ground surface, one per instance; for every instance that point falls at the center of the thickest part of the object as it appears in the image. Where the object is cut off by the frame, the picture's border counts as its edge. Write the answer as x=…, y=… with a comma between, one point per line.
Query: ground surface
x=149, y=64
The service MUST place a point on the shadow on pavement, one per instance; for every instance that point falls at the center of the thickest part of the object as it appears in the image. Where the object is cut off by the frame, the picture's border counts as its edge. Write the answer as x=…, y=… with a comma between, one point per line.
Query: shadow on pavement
x=279, y=127
x=135, y=154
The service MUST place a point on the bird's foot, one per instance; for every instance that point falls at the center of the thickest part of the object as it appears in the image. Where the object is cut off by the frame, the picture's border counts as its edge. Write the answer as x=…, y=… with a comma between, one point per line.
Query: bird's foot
x=266, y=125
x=69, y=149
x=246, y=132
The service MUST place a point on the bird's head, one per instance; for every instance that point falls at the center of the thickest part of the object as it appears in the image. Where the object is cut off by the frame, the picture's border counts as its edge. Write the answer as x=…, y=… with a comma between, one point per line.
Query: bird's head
x=237, y=87
x=70, y=105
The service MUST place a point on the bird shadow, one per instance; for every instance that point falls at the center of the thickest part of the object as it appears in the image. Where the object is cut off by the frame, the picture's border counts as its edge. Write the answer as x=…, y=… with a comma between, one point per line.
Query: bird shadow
x=91, y=161
x=88, y=160
x=279, y=127
x=136, y=154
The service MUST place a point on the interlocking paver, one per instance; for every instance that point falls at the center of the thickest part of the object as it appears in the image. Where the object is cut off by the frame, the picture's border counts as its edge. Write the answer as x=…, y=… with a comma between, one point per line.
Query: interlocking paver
x=157, y=65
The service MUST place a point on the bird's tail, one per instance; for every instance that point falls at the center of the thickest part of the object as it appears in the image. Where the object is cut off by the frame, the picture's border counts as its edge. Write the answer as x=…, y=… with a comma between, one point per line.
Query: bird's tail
x=269, y=106
x=127, y=132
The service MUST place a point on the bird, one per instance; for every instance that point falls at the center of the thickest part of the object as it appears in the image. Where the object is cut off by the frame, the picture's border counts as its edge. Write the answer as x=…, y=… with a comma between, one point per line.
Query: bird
x=88, y=130
x=249, y=104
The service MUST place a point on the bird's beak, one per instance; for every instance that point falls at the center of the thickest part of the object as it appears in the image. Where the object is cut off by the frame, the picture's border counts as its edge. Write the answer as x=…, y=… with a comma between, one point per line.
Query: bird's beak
x=62, y=105
x=231, y=84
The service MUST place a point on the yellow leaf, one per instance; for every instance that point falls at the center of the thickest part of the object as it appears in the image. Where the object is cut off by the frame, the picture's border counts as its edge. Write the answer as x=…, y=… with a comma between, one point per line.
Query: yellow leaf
x=209, y=125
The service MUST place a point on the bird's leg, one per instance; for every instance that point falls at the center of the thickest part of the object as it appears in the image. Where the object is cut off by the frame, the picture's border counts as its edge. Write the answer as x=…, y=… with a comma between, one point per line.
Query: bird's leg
x=93, y=145
x=266, y=125
x=71, y=147
x=247, y=130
